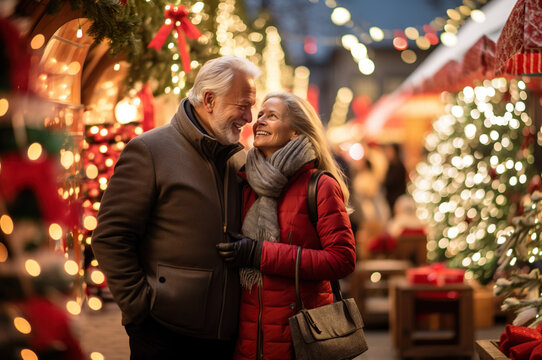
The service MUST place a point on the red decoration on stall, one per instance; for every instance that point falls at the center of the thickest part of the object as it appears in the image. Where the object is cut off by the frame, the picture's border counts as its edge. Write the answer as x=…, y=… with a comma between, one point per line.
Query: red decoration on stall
x=176, y=18
x=147, y=103
x=361, y=106
x=18, y=64
x=313, y=93
x=18, y=173
x=519, y=342
x=311, y=45
x=519, y=47
x=436, y=274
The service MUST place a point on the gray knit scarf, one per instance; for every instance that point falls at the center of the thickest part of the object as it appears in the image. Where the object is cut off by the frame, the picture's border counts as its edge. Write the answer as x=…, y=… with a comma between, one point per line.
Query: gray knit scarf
x=267, y=178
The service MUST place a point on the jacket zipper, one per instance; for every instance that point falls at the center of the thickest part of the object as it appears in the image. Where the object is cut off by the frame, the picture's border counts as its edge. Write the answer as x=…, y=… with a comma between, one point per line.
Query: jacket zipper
x=225, y=229
x=290, y=238
x=259, y=341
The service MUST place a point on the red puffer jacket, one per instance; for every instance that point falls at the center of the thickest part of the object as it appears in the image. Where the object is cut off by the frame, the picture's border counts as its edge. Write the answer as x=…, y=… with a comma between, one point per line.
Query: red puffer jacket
x=329, y=255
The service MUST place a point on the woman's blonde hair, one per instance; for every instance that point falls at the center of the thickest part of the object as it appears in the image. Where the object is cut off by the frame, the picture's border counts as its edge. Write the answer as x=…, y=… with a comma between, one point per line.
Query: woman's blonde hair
x=305, y=121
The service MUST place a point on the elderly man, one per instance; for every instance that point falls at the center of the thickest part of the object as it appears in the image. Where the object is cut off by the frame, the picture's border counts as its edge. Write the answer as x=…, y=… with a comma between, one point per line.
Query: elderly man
x=173, y=196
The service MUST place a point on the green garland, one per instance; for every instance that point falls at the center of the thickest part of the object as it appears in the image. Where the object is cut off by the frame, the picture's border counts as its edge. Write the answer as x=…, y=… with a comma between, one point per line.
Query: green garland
x=131, y=27
x=109, y=20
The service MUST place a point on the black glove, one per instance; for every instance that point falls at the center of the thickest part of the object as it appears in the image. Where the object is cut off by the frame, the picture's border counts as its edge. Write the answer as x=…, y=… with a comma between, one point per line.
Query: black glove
x=243, y=253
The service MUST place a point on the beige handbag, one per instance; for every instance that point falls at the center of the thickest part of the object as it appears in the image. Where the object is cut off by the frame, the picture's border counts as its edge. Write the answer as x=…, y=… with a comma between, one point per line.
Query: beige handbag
x=329, y=332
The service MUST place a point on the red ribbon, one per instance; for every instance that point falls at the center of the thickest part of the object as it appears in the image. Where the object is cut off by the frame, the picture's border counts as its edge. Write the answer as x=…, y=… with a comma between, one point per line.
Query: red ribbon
x=178, y=20
x=147, y=103
x=522, y=343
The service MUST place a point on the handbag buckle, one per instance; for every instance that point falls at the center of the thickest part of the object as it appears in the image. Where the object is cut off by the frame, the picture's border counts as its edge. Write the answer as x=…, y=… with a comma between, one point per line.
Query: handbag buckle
x=311, y=321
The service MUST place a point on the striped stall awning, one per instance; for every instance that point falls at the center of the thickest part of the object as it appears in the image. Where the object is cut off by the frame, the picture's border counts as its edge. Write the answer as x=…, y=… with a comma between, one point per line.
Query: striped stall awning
x=519, y=47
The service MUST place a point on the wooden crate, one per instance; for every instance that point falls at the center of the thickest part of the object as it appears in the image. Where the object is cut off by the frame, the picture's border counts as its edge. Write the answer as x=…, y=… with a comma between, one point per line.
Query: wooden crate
x=406, y=307
x=372, y=298
x=489, y=350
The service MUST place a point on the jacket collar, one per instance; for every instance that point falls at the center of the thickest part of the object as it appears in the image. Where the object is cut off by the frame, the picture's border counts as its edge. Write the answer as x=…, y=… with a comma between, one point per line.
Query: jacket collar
x=185, y=122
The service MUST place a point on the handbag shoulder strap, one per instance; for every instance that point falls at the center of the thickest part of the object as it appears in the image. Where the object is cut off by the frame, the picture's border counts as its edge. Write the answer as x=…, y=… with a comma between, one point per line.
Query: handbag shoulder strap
x=312, y=206
x=297, y=262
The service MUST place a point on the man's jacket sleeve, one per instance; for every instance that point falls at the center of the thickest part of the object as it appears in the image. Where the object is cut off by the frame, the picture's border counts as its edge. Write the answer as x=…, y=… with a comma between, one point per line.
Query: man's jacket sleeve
x=122, y=218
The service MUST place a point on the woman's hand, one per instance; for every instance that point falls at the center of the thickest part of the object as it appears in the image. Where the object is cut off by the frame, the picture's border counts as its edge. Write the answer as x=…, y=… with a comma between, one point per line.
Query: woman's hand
x=243, y=253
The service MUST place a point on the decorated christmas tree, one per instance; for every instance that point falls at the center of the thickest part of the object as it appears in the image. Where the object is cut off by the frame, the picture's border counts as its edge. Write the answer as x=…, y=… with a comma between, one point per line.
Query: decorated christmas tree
x=478, y=166
x=520, y=260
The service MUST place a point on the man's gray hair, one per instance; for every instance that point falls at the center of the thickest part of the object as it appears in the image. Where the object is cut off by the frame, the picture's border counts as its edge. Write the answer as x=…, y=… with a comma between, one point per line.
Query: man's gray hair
x=216, y=75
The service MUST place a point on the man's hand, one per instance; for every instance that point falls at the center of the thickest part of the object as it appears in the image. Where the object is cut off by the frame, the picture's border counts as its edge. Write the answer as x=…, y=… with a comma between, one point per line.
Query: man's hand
x=243, y=253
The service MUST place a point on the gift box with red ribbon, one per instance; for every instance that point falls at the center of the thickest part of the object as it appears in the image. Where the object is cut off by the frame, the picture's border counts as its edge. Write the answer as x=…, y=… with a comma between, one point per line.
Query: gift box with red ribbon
x=522, y=343
x=436, y=274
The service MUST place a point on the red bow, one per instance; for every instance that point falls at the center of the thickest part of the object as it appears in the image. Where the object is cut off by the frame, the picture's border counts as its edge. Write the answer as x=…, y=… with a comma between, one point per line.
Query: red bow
x=522, y=343
x=176, y=17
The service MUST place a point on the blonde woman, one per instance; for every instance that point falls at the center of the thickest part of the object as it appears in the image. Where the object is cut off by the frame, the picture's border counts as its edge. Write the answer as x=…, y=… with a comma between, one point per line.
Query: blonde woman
x=289, y=145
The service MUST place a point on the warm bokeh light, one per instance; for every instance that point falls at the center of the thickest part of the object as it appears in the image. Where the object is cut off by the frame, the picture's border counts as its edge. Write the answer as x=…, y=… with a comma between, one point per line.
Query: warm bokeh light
x=96, y=356
x=34, y=151
x=366, y=66
x=90, y=222
x=32, y=267
x=97, y=277
x=22, y=325
x=408, y=56
x=376, y=33
x=348, y=41
x=450, y=28
x=55, y=231
x=66, y=159
x=92, y=171
x=376, y=277
x=4, y=106
x=125, y=111
x=448, y=39
x=6, y=224
x=478, y=16
x=74, y=68
x=432, y=38
x=73, y=307
x=340, y=16
x=196, y=8
x=412, y=33
x=345, y=95
x=95, y=303
x=356, y=151
x=27, y=354
x=359, y=51
x=3, y=253
x=400, y=43
x=37, y=41
x=71, y=267
x=453, y=14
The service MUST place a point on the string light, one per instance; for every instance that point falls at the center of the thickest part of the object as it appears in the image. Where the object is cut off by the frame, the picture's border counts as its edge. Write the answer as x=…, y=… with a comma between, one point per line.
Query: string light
x=459, y=192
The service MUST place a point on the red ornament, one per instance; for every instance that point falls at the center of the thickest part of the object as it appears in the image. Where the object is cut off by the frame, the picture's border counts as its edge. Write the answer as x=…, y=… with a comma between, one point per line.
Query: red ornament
x=311, y=46
x=361, y=106
x=176, y=18
x=19, y=173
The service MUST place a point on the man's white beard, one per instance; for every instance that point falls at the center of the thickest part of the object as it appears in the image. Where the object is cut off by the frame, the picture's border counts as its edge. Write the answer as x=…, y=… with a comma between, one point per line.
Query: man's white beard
x=224, y=132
